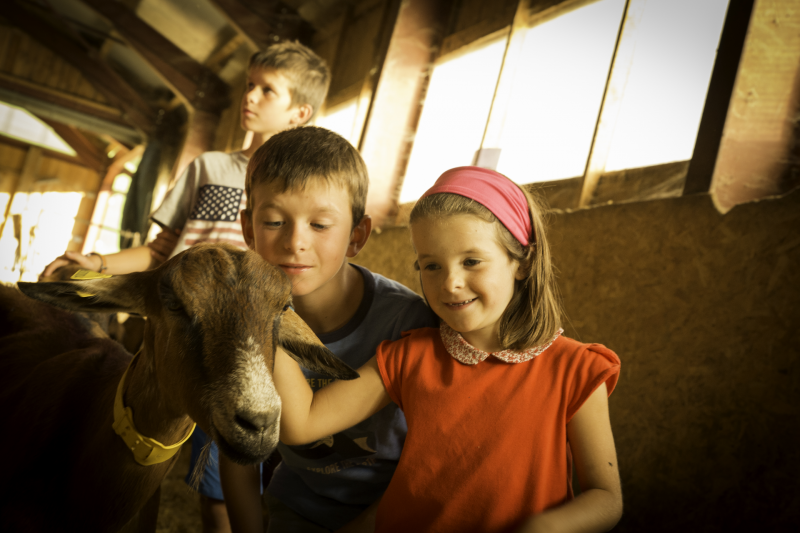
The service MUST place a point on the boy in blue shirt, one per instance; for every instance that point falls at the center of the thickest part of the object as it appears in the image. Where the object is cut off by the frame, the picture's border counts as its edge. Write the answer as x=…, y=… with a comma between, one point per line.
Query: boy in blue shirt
x=306, y=194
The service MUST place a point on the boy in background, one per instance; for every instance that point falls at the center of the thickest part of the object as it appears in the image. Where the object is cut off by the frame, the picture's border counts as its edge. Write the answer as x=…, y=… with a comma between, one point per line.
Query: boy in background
x=286, y=84
x=306, y=194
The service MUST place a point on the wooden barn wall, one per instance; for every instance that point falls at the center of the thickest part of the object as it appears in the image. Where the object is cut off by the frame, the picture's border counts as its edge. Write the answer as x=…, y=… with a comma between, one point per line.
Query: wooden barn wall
x=23, y=59
x=473, y=19
x=349, y=45
x=702, y=309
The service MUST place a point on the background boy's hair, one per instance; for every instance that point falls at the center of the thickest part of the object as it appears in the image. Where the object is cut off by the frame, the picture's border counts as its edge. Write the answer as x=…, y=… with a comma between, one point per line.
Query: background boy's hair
x=308, y=73
x=533, y=315
x=295, y=157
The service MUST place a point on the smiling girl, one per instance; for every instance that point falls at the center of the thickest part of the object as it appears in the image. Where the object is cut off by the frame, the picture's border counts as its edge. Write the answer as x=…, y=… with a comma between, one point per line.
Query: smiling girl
x=499, y=404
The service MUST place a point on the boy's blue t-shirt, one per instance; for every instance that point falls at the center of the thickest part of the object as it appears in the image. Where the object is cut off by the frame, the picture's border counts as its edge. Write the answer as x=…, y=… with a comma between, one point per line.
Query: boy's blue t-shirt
x=332, y=481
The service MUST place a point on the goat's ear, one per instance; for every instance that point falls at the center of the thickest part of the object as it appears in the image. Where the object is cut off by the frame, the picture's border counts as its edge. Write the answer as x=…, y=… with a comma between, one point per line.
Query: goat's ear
x=304, y=347
x=108, y=295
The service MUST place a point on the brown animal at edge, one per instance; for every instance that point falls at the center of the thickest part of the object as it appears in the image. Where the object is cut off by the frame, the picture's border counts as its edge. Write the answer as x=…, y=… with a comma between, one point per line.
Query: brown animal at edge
x=215, y=315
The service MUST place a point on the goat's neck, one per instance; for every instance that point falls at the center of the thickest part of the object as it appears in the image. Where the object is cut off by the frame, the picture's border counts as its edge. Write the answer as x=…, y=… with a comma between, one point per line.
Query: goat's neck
x=154, y=415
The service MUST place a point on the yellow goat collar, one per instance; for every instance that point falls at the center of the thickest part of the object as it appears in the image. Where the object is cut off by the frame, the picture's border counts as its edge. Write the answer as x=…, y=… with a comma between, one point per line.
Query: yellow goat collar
x=146, y=451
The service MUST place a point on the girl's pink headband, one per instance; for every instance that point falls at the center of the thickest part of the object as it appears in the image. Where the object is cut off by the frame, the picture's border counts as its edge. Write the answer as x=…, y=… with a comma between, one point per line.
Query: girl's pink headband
x=492, y=190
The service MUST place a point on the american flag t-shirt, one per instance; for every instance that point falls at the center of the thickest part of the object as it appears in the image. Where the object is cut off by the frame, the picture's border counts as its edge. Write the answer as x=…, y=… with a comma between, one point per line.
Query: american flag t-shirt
x=215, y=217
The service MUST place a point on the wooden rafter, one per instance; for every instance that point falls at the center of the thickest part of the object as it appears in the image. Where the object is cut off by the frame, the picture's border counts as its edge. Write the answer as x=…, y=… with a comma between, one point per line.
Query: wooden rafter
x=193, y=82
x=264, y=23
x=135, y=109
x=84, y=149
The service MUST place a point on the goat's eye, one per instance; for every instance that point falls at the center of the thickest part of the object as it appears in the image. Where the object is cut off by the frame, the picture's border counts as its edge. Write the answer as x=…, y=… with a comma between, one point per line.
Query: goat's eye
x=287, y=306
x=174, y=306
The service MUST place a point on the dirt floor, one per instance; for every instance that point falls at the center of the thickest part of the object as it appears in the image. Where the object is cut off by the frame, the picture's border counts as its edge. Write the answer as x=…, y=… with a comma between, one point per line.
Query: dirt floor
x=179, y=510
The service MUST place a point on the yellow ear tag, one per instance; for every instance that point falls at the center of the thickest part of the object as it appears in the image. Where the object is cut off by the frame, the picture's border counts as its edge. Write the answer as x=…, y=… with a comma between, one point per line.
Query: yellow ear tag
x=87, y=274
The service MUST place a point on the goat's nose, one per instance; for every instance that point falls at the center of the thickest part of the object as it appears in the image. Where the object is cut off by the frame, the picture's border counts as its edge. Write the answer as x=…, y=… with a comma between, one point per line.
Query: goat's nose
x=256, y=421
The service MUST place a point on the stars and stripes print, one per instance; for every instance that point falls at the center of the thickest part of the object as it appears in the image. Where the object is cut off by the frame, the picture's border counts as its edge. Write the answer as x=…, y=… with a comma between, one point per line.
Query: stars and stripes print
x=215, y=217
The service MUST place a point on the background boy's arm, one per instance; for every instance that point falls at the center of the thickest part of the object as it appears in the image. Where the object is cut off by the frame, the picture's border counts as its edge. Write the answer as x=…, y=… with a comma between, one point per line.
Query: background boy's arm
x=307, y=416
x=124, y=262
x=599, y=506
x=165, y=242
x=241, y=487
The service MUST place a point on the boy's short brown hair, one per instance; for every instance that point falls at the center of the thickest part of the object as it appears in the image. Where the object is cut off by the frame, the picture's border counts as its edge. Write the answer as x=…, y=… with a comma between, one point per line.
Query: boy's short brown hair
x=308, y=73
x=295, y=157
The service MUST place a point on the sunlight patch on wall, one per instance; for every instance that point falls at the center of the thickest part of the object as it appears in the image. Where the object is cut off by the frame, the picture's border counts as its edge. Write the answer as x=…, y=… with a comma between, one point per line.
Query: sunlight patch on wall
x=341, y=119
x=18, y=124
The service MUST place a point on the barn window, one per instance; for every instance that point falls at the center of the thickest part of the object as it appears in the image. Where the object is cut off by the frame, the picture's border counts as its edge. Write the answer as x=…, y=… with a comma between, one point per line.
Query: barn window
x=18, y=124
x=454, y=116
x=596, y=88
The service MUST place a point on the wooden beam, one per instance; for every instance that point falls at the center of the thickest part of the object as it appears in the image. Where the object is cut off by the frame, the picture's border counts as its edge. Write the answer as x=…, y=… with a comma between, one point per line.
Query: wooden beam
x=85, y=150
x=49, y=94
x=263, y=23
x=718, y=98
x=417, y=31
x=136, y=110
x=67, y=112
x=194, y=83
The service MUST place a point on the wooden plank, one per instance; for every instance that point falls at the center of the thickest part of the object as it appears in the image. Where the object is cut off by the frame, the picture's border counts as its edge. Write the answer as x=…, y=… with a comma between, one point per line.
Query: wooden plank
x=196, y=85
x=718, y=99
x=759, y=146
x=137, y=111
x=417, y=32
x=46, y=105
x=85, y=150
x=612, y=100
x=16, y=83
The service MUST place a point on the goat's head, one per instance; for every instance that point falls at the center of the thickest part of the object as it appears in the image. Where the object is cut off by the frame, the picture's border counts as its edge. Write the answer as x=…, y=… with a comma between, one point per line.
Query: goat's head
x=215, y=316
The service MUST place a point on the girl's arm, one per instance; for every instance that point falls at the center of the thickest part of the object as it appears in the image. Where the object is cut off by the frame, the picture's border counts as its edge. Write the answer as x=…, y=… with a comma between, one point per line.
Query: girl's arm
x=599, y=506
x=307, y=417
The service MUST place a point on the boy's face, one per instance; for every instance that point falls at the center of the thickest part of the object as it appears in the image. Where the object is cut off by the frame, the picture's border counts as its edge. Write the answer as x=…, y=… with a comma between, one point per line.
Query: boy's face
x=307, y=233
x=267, y=103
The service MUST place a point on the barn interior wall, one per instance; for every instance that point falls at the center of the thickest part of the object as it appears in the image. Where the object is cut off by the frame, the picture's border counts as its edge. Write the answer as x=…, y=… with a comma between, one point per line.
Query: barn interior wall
x=702, y=310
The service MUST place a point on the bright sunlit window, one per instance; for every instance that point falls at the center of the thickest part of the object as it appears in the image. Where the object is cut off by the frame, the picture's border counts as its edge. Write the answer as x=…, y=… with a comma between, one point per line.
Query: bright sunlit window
x=18, y=124
x=676, y=46
x=341, y=119
x=557, y=93
x=454, y=115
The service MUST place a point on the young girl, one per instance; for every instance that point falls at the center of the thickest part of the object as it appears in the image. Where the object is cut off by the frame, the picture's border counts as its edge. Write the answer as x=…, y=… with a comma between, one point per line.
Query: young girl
x=498, y=402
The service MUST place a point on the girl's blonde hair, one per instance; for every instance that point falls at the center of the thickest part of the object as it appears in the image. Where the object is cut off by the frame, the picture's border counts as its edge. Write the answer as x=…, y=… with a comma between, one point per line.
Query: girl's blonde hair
x=533, y=316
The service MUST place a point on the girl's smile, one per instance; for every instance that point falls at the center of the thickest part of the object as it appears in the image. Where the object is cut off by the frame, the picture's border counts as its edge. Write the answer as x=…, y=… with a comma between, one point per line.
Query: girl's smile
x=467, y=276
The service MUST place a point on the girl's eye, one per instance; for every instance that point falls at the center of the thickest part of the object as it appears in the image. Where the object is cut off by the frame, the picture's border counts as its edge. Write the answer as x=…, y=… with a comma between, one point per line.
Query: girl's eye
x=320, y=226
x=430, y=266
x=471, y=262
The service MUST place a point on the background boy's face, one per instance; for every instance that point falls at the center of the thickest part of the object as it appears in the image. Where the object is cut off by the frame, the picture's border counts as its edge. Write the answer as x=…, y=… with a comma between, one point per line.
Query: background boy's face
x=267, y=103
x=307, y=233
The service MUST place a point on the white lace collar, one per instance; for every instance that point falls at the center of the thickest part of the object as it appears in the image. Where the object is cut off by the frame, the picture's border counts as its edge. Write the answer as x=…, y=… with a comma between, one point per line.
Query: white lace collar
x=464, y=352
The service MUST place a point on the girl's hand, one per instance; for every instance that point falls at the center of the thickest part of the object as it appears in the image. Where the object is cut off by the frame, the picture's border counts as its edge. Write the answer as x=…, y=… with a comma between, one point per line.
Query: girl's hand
x=599, y=506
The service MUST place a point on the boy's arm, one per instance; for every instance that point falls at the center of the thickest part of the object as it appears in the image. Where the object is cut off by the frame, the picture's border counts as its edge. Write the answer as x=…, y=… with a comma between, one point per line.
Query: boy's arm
x=165, y=242
x=307, y=417
x=242, y=491
x=599, y=506
x=131, y=260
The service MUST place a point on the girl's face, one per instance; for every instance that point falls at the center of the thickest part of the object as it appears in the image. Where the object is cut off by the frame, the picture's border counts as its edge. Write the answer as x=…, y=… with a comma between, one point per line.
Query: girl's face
x=467, y=276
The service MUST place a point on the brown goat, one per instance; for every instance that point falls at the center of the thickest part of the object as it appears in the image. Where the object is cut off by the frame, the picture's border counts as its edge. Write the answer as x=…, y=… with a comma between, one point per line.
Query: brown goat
x=215, y=315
